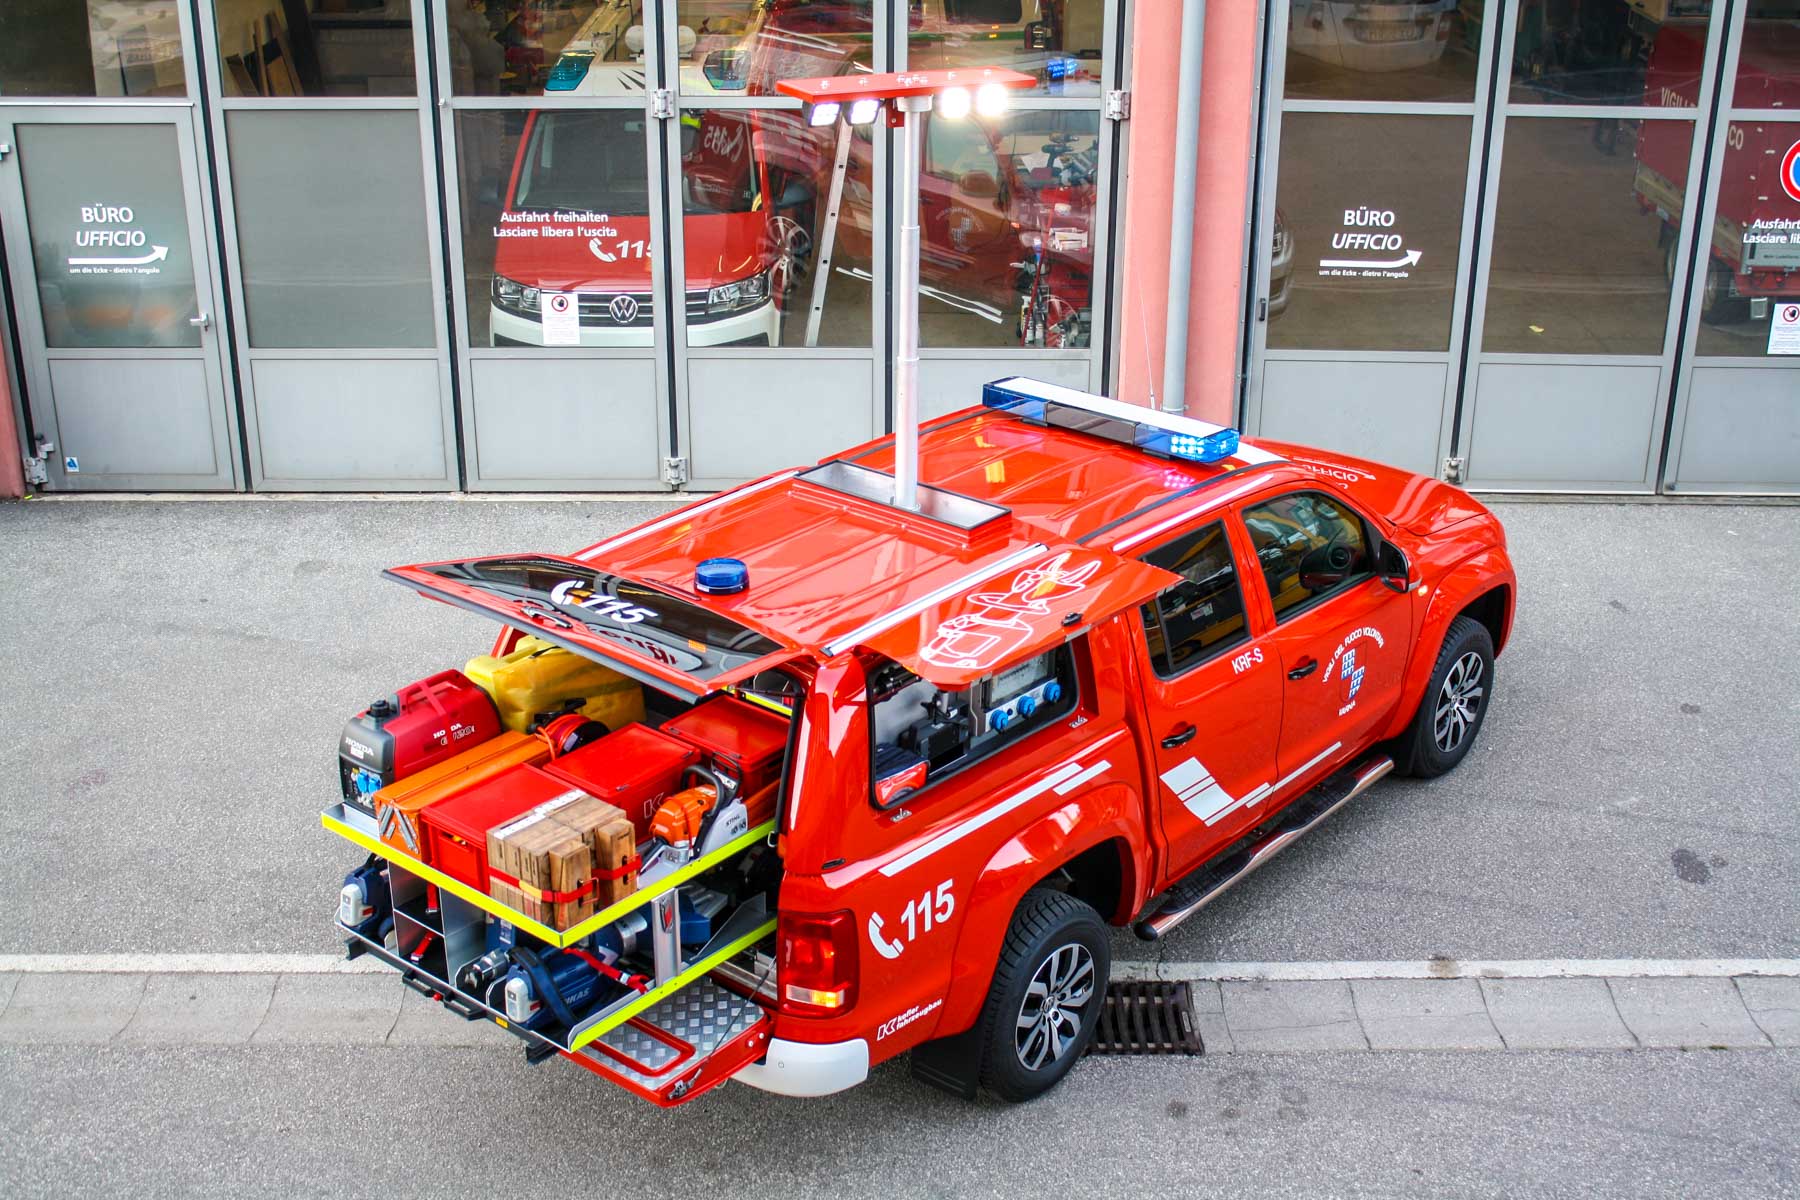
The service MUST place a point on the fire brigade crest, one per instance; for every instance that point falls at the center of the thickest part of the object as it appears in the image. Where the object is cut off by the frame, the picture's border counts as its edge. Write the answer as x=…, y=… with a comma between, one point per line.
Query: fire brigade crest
x=1348, y=664
x=977, y=640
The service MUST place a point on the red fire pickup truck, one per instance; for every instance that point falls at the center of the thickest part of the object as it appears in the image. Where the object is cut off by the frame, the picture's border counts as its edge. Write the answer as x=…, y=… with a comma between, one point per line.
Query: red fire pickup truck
x=892, y=773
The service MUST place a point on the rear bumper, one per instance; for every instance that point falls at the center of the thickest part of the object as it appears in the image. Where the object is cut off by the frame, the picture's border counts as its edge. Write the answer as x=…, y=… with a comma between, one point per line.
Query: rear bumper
x=807, y=1068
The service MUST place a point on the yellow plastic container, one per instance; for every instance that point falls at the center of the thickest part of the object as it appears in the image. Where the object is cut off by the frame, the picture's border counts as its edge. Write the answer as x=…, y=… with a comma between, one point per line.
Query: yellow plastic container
x=538, y=678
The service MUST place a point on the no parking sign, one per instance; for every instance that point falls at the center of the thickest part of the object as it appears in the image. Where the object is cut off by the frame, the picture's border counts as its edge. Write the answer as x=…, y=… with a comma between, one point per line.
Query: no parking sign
x=1784, y=330
x=1790, y=172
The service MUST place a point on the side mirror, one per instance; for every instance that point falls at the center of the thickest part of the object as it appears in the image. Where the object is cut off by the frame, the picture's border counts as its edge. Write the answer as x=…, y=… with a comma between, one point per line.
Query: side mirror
x=978, y=184
x=1395, y=571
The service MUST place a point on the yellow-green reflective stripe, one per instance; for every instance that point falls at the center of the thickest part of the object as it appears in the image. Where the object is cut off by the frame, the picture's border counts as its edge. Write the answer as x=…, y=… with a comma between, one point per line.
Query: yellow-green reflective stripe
x=513, y=916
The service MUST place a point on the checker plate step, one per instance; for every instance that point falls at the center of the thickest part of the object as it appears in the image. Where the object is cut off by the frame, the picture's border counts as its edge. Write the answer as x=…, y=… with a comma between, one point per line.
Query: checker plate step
x=704, y=1015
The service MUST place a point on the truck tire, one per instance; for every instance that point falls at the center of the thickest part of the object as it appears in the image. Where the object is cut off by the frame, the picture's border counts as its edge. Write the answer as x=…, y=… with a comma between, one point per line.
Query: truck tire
x=1454, y=704
x=1046, y=995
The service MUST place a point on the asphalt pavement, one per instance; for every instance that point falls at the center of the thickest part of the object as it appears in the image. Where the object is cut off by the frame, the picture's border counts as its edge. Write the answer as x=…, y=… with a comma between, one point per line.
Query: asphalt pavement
x=182, y=670
x=309, y=1121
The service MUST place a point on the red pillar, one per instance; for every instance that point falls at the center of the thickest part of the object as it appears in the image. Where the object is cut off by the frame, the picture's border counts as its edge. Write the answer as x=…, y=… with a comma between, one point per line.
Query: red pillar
x=12, y=469
x=1227, y=126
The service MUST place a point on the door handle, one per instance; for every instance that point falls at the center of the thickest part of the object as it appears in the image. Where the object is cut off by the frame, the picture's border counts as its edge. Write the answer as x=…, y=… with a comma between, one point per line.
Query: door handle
x=1306, y=667
x=1182, y=736
x=203, y=321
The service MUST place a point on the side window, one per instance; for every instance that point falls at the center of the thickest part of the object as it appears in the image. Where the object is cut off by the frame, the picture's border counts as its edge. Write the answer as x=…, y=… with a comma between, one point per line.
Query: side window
x=1309, y=546
x=922, y=734
x=1204, y=613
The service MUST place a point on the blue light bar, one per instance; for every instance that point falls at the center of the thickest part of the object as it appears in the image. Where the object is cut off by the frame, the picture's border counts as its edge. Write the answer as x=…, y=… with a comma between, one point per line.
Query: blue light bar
x=1168, y=434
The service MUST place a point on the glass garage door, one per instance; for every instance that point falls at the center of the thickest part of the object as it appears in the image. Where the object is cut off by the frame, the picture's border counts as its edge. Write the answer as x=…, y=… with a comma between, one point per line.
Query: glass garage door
x=1480, y=258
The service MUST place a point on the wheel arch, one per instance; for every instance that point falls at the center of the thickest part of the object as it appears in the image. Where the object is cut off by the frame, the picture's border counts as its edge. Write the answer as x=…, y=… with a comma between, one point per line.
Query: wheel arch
x=1094, y=848
x=1482, y=587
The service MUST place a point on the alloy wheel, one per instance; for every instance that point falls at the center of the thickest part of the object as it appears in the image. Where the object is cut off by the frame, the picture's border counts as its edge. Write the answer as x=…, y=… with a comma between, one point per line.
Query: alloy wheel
x=1054, y=1007
x=1458, y=702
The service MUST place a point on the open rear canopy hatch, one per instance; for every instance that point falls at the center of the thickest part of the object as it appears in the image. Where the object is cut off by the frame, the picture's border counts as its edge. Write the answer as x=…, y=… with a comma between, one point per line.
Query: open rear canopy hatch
x=649, y=633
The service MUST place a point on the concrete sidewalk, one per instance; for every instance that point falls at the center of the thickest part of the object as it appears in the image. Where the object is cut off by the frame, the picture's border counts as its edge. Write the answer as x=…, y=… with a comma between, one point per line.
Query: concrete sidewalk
x=1338, y=1007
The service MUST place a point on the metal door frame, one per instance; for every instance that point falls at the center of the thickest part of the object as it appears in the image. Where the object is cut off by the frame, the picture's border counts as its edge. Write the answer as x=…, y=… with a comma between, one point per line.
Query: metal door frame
x=1725, y=114
x=36, y=399
x=1103, y=235
x=466, y=355
x=1474, y=357
x=681, y=355
x=1274, y=106
x=420, y=103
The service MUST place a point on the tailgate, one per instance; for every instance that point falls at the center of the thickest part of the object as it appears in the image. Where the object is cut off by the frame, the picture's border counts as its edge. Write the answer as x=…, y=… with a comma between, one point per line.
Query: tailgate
x=653, y=635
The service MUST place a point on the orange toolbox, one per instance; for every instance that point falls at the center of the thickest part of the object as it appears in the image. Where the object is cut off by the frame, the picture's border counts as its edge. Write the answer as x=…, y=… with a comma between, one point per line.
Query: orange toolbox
x=397, y=806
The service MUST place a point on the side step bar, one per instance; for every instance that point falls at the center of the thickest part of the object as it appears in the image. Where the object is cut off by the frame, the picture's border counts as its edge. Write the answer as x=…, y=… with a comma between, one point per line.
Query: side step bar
x=1188, y=896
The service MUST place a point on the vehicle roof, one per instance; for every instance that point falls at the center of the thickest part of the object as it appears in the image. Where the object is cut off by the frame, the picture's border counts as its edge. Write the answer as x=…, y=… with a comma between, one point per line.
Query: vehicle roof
x=826, y=567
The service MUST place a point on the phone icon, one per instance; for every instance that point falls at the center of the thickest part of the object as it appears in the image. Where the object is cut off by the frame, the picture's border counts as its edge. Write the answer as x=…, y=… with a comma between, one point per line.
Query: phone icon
x=882, y=946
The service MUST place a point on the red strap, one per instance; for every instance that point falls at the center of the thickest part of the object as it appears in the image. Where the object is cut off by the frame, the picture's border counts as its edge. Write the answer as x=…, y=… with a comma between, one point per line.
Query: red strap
x=623, y=869
x=538, y=893
x=639, y=983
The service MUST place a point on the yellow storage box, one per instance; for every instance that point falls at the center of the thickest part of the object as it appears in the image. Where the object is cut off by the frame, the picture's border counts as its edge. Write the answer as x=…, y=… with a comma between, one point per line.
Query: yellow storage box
x=538, y=678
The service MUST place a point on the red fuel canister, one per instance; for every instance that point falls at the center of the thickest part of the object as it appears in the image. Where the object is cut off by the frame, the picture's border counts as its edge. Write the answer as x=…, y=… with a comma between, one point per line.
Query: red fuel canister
x=422, y=724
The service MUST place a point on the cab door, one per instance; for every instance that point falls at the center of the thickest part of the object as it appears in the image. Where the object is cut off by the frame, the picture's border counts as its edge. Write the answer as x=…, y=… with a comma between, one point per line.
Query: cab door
x=1341, y=635
x=1213, y=692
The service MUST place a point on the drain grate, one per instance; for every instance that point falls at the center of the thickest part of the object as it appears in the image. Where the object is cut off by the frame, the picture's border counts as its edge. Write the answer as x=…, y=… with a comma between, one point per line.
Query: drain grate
x=1147, y=1018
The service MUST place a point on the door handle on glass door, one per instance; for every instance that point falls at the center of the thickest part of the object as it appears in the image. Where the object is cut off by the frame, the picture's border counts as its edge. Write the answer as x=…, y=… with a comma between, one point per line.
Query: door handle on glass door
x=1182, y=736
x=203, y=321
x=1307, y=667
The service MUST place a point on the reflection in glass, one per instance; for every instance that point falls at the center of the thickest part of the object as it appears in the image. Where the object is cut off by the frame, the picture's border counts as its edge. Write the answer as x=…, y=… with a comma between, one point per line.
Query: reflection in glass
x=546, y=47
x=1367, y=229
x=741, y=47
x=1006, y=210
x=1609, y=52
x=1062, y=43
x=1769, y=62
x=1350, y=50
x=109, y=234
x=756, y=190
x=1580, y=252
x=556, y=227
x=316, y=47
x=97, y=48
x=1753, y=271
x=331, y=228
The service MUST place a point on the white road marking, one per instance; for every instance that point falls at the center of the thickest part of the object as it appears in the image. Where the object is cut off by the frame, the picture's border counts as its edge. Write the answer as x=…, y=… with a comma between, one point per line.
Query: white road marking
x=189, y=964
x=1526, y=968
x=1531, y=968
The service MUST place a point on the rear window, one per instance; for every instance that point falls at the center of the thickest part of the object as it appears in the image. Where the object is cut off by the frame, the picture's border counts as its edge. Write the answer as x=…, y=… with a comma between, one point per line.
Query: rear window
x=644, y=620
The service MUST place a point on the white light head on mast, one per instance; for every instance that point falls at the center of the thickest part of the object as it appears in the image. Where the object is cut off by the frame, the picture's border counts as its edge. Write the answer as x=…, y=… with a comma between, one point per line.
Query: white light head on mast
x=991, y=99
x=953, y=103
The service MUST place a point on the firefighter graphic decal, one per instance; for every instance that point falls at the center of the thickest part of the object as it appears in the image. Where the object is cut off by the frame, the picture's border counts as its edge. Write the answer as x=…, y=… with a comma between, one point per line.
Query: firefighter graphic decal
x=977, y=640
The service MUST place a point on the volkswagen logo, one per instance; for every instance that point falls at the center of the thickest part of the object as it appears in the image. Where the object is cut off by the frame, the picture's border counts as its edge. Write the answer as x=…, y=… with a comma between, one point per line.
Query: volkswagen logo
x=624, y=308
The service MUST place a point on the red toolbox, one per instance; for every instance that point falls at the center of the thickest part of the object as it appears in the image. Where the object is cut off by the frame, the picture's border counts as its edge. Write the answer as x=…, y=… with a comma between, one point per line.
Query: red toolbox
x=634, y=769
x=455, y=831
x=740, y=738
x=422, y=724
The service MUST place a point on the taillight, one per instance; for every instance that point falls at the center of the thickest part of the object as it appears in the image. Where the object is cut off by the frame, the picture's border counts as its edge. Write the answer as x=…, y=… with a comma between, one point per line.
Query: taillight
x=817, y=969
